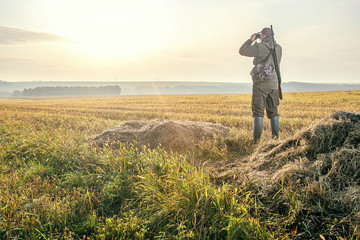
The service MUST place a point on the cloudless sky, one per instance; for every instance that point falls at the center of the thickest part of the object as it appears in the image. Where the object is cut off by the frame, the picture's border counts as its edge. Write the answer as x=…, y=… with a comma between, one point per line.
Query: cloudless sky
x=175, y=40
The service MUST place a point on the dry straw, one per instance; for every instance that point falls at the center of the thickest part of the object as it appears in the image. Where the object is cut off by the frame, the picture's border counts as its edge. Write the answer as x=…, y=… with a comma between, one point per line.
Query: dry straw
x=175, y=135
x=322, y=161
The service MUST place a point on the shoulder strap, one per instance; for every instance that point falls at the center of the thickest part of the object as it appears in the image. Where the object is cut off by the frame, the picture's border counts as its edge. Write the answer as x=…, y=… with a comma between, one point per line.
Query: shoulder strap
x=270, y=49
x=268, y=46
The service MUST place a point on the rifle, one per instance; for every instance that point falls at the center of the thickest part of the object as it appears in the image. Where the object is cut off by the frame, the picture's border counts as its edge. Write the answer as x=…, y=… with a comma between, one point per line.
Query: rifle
x=277, y=69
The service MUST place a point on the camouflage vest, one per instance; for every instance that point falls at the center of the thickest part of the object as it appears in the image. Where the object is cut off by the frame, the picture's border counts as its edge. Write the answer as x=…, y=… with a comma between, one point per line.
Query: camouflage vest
x=264, y=70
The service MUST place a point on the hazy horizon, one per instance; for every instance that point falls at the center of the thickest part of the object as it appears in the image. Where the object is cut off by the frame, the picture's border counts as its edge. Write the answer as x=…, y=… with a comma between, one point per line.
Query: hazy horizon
x=173, y=40
x=167, y=81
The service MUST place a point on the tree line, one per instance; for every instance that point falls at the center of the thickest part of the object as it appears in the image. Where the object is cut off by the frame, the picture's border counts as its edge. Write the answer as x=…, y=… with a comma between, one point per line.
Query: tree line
x=69, y=91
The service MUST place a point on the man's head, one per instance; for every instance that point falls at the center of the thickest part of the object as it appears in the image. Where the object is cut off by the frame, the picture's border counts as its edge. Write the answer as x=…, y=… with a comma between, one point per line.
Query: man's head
x=261, y=35
x=265, y=33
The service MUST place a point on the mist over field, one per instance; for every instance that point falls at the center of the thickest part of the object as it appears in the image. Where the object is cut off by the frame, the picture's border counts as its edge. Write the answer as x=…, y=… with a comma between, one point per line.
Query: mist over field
x=7, y=89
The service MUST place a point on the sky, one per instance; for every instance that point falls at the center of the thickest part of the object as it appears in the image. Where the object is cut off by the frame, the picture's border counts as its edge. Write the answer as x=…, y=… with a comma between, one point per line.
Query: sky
x=175, y=40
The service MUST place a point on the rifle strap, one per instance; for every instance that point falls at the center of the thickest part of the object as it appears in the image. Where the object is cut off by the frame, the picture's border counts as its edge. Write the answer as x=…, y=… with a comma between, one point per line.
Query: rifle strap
x=270, y=53
x=272, y=50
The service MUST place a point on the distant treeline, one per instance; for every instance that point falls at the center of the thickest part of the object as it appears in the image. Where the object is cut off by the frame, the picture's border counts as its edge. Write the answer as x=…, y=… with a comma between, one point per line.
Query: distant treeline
x=69, y=91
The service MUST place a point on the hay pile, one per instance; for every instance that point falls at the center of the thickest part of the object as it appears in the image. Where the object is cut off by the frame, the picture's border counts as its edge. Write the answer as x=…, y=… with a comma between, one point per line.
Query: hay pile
x=321, y=161
x=175, y=135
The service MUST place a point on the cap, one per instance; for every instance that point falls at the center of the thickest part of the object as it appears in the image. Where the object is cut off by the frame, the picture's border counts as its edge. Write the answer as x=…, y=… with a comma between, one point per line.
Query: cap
x=266, y=31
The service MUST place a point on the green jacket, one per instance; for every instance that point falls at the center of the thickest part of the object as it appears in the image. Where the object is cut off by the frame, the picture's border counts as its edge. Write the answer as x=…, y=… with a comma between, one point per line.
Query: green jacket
x=260, y=51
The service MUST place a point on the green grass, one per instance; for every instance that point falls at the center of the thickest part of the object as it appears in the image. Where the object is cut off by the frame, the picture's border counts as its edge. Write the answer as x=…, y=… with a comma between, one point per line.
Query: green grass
x=54, y=185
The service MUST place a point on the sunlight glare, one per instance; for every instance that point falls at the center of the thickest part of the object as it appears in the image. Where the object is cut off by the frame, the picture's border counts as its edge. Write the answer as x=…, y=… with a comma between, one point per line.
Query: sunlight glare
x=121, y=32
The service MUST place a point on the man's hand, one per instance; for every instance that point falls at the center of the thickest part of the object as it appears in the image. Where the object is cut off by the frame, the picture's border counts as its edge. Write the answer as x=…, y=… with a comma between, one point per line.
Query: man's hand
x=253, y=37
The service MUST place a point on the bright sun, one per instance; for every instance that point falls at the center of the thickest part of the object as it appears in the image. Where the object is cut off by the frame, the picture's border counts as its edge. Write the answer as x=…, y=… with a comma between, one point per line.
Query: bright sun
x=129, y=28
x=123, y=35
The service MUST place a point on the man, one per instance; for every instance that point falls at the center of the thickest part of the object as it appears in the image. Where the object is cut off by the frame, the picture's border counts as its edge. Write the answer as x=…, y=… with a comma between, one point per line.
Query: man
x=265, y=94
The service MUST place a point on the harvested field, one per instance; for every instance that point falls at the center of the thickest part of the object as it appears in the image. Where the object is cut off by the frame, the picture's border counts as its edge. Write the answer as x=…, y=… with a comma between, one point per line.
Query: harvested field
x=54, y=185
x=171, y=135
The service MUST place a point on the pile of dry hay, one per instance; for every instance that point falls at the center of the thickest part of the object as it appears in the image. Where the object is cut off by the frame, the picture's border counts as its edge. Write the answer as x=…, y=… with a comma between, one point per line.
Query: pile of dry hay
x=175, y=135
x=322, y=161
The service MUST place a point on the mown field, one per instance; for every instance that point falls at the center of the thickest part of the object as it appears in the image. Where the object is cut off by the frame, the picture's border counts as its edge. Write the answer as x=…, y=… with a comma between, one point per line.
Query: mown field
x=54, y=185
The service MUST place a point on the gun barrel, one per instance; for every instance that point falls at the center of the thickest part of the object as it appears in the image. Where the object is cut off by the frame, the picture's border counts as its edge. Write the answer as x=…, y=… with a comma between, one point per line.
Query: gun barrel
x=277, y=68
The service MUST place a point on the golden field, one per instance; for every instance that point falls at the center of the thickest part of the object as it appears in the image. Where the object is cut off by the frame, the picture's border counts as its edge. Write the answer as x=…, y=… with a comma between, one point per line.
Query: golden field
x=54, y=185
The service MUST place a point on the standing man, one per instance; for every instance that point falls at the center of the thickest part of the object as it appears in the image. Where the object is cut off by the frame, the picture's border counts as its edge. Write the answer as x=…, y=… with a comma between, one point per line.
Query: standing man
x=264, y=94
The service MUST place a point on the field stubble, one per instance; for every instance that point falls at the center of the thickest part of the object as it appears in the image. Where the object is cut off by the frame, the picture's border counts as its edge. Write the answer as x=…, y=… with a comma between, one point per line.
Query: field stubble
x=53, y=184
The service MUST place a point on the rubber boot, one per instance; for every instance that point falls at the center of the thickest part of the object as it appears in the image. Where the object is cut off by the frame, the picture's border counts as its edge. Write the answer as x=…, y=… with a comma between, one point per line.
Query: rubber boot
x=258, y=124
x=274, y=121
